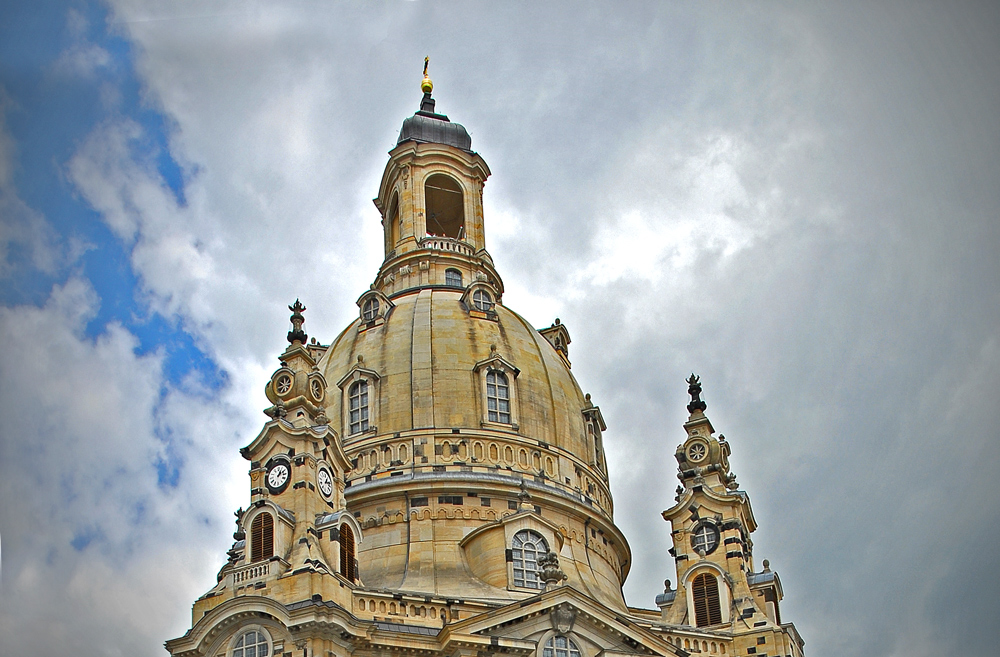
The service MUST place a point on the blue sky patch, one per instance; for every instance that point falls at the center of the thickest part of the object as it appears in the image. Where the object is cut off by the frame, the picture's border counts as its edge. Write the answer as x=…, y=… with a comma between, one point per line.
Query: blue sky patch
x=50, y=112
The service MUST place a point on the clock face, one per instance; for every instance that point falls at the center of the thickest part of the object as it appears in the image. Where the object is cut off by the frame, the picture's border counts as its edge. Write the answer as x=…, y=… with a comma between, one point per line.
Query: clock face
x=325, y=481
x=277, y=477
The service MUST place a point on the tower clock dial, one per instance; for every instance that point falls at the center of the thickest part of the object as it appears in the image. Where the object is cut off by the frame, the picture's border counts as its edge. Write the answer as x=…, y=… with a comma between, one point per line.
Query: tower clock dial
x=325, y=481
x=277, y=477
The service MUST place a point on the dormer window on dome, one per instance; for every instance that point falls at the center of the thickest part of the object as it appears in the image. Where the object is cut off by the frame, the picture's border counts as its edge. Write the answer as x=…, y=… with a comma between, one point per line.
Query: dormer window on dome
x=375, y=307
x=445, y=206
x=481, y=299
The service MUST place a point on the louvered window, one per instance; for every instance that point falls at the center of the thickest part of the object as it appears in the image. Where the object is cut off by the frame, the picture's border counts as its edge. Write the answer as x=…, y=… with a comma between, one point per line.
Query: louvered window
x=347, y=558
x=706, y=600
x=497, y=397
x=262, y=537
x=527, y=547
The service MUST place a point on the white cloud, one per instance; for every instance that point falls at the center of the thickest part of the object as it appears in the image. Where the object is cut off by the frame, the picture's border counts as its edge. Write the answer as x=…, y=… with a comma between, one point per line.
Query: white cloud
x=94, y=541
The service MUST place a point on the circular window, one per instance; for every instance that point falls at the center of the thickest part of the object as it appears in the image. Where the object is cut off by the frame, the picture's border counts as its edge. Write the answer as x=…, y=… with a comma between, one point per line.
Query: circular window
x=252, y=644
x=316, y=386
x=482, y=300
x=697, y=451
x=370, y=310
x=283, y=384
x=705, y=538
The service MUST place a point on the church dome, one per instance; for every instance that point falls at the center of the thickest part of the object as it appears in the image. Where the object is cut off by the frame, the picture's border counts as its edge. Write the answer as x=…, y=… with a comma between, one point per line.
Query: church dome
x=458, y=418
x=426, y=353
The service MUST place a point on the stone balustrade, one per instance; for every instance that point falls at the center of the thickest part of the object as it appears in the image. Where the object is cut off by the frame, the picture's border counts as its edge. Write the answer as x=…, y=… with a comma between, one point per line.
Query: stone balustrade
x=436, y=243
x=251, y=572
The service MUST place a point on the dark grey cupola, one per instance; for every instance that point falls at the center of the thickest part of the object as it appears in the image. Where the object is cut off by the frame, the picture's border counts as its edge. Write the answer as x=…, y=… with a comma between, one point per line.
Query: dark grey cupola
x=428, y=126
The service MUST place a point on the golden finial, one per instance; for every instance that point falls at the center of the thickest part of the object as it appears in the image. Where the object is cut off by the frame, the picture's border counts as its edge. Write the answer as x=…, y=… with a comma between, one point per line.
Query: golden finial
x=426, y=85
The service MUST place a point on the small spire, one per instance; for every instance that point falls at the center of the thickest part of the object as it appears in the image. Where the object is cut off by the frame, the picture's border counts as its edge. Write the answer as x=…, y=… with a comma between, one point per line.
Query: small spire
x=426, y=85
x=297, y=334
x=694, y=389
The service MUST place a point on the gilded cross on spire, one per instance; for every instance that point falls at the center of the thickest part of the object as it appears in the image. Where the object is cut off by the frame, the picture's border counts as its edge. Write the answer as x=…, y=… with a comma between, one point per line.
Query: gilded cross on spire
x=426, y=85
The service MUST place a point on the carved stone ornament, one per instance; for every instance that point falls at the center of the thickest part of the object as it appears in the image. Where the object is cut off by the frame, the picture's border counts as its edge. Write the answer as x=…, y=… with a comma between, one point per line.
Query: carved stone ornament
x=694, y=389
x=550, y=574
x=562, y=616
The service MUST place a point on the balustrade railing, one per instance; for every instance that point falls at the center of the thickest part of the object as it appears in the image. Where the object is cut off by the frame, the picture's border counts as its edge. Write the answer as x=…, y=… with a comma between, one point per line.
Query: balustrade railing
x=252, y=572
x=437, y=243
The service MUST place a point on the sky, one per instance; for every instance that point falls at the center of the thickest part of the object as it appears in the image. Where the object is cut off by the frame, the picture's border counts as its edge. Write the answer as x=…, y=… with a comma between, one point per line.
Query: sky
x=798, y=201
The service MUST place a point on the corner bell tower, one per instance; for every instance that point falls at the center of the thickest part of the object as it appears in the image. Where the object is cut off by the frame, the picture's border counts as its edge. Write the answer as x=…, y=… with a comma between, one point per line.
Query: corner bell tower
x=712, y=520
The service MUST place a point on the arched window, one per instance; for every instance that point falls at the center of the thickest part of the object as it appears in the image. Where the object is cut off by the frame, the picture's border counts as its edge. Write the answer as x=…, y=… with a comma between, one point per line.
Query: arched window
x=527, y=547
x=395, y=222
x=705, y=589
x=482, y=300
x=347, y=568
x=453, y=277
x=262, y=537
x=560, y=646
x=251, y=644
x=369, y=311
x=445, y=207
x=358, y=400
x=497, y=397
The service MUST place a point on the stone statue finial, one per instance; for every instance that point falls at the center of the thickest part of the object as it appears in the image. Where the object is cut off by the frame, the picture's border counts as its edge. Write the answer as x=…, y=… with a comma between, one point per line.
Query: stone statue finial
x=767, y=566
x=239, y=535
x=694, y=389
x=666, y=586
x=297, y=334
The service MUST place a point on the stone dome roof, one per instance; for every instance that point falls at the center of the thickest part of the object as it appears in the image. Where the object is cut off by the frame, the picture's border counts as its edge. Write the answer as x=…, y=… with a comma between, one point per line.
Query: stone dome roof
x=426, y=354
